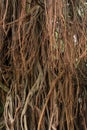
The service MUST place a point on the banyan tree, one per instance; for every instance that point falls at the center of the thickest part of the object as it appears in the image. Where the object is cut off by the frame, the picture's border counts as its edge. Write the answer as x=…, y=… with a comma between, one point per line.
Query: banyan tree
x=43, y=64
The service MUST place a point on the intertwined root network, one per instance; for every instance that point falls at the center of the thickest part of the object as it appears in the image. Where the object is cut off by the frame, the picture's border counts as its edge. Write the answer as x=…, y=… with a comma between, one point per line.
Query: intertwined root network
x=43, y=62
